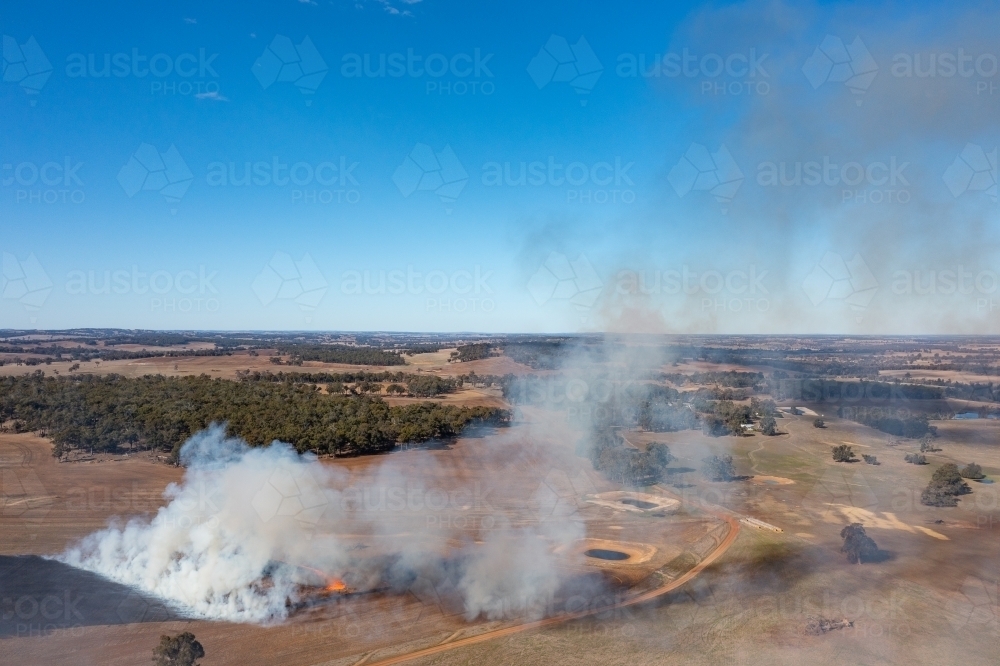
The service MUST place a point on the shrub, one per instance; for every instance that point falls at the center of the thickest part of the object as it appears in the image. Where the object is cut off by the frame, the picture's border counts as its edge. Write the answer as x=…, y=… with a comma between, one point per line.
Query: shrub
x=857, y=545
x=719, y=469
x=973, y=471
x=843, y=453
x=180, y=650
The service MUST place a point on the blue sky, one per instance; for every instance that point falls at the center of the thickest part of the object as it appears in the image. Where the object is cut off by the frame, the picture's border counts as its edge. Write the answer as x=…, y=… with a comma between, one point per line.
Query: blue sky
x=675, y=178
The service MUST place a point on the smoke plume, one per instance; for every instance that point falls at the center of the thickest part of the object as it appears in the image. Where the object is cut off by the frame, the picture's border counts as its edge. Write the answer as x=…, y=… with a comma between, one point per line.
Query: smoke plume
x=249, y=532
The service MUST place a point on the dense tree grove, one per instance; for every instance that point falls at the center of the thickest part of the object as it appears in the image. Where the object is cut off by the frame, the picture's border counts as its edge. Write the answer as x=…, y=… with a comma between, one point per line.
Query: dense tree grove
x=322, y=377
x=612, y=403
x=115, y=413
x=729, y=379
x=625, y=464
x=760, y=408
x=421, y=386
x=426, y=386
x=47, y=354
x=636, y=404
x=154, y=339
x=832, y=390
x=988, y=392
x=422, y=349
x=911, y=427
x=724, y=417
x=541, y=355
x=664, y=413
x=945, y=486
x=340, y=354
x=472, y=352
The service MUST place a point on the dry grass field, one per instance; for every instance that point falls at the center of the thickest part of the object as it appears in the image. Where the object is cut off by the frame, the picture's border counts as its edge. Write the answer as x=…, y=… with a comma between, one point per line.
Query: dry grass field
x=932, y=600
x=932, y=596
x=49, y=504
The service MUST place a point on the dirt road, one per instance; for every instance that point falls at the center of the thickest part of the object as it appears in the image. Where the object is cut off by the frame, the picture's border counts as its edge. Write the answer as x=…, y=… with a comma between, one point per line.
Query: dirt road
x=734, y=528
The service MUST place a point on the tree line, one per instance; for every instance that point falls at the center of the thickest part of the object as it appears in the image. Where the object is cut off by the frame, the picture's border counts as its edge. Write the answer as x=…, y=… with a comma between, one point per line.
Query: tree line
x=116, y=414
x=340, y=354
x=911, y=427
x=730, y=378
x=472, y=352
x=420, y=386
x=84, y=354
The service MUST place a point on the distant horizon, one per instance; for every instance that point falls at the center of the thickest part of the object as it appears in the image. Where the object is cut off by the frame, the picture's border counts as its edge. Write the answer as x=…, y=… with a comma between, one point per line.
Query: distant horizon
x=315, y=332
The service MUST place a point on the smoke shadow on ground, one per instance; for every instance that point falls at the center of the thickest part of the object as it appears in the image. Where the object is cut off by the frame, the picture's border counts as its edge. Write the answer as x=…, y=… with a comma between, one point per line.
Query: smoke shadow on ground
x=770, y=568
x=39, y=596
x=881, y=555
x=435, y=445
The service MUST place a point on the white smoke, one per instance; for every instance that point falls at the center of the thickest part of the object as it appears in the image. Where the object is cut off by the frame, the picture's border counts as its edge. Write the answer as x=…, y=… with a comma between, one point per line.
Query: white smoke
x=208, y=550
x=514, y=574
x=247, y=527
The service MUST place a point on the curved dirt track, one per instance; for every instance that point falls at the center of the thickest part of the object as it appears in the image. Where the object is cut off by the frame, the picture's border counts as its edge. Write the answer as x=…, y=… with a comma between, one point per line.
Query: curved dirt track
x=734, y=528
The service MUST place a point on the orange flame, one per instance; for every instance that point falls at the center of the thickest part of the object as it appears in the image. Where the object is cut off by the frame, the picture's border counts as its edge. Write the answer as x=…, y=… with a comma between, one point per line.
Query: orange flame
x=335, y=585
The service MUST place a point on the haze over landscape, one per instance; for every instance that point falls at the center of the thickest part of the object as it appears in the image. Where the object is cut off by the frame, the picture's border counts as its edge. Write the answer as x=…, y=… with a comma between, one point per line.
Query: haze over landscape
x=383, y=331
